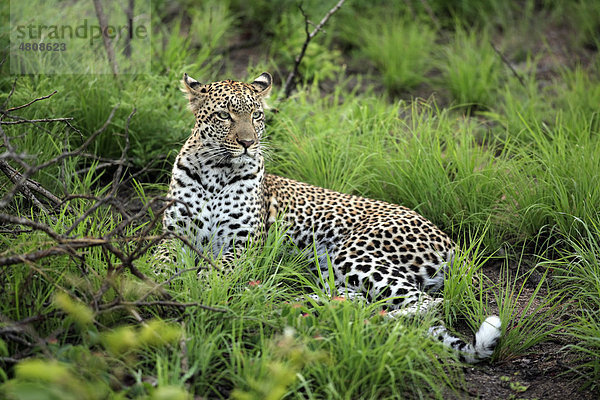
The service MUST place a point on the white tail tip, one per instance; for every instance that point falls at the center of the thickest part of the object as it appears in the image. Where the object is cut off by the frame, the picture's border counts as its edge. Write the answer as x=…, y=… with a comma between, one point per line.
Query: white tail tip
x=487, y=336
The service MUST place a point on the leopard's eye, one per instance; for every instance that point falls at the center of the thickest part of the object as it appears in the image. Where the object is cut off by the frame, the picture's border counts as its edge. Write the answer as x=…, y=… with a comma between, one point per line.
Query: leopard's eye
x=257, y=115
x=224, y=115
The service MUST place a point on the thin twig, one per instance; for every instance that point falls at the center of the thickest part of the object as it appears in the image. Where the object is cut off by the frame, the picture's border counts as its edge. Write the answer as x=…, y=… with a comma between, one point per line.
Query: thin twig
x=66, y=245
x=431, y=14
x=11, y=360
x=289, y=82
x=31, y=102
x=29, y=184
x=12, y=90
x=32, y=121
x=110, y=52
x=162, y=303
x=508, y=64
x=13, y=219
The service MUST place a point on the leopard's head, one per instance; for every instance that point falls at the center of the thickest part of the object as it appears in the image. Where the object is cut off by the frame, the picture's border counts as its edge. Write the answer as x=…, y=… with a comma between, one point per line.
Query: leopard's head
x=230, y=117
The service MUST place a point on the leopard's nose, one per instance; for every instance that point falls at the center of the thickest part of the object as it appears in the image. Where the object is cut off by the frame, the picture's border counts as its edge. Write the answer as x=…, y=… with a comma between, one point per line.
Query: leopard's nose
x=246, y=143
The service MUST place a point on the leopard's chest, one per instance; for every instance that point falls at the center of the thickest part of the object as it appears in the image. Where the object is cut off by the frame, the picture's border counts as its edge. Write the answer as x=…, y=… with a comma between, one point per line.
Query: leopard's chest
x=215, y=209
x=228, y=211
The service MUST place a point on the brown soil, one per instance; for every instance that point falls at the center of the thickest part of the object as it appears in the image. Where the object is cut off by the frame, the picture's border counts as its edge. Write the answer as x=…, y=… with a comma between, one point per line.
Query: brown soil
x=545, y=372
x=542, y=374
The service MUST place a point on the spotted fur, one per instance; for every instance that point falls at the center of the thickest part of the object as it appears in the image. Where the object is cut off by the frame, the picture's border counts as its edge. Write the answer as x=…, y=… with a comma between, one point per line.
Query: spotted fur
x=377, y=249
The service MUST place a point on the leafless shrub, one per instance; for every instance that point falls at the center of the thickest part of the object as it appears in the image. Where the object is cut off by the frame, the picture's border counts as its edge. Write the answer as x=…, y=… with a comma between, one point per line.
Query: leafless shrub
x=73, y=237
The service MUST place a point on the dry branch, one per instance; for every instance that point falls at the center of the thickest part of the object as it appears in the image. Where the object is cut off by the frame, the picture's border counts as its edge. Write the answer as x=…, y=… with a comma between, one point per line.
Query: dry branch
x=110, y=52
x=291, y=78
x=508, y=64
x=31, y=102
x=32, y=121
x=121, y=247
x=27, y=186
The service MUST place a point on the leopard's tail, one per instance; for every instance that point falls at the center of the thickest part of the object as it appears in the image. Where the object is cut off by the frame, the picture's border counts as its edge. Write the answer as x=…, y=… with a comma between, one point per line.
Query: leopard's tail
x=486, y=340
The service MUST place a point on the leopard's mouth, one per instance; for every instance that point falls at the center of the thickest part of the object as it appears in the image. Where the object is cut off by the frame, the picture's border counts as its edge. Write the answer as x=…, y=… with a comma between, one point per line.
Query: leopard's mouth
x=236, y=154
x=244, y=153
x=242, y=157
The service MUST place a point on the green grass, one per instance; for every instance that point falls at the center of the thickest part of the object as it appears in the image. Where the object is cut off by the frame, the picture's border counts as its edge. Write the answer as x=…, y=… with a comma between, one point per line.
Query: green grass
x=578, y=276
x=471, y=69
x=505, y=166
x=585, y=16
x=401, y=49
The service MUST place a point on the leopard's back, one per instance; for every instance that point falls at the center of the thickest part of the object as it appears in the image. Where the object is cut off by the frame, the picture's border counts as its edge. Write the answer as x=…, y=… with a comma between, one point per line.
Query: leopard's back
x=384, y=248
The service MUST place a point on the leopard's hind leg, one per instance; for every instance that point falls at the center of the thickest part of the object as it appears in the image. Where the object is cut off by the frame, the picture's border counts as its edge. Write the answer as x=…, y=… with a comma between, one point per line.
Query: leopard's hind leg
x=379, y=279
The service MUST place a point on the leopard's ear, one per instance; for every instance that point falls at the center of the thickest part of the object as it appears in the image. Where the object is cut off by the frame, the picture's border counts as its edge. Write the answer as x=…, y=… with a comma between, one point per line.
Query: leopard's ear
x=191, y=85
x=195, y=90
x=263, y=85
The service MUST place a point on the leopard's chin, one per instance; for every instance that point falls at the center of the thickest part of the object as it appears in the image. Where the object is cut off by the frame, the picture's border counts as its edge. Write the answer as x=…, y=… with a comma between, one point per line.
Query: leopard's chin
x=244, y=158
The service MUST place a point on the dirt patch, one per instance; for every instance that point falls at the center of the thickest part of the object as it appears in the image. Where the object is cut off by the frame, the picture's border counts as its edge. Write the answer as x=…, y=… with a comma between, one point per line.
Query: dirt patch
x=542, y=374
x=545, y=372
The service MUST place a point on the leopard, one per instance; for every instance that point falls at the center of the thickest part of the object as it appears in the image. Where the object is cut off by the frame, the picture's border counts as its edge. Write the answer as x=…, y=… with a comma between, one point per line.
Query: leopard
x=378, y=251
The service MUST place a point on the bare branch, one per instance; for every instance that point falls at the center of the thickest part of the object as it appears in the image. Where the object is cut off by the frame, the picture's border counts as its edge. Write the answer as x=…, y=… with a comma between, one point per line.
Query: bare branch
x=119, y=249
x=129, y=14
x=32, y=170
x=31, y=102
x=508, y=64
x=32, y=224
x=32, y=121
x=163, y=303
x=29, y=185
x=14, y=175
x=110, y=52
x=290, y=81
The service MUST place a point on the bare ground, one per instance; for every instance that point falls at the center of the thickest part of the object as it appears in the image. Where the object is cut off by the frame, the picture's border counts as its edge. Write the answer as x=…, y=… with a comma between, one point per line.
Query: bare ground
x=545, y=372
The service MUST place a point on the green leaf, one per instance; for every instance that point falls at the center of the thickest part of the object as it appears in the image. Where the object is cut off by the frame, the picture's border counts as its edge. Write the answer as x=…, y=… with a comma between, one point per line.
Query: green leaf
x=36, y=370
x=170, y=393
x=81, y=313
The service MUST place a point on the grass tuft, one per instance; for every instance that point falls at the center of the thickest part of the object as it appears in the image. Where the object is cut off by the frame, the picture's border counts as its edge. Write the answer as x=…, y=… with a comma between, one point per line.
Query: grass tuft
x=400, y=48
x=471, y=69
x=578, y=277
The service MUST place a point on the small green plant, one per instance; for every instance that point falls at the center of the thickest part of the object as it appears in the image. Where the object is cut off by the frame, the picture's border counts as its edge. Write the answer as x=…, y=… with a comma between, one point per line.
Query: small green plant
x=212, y=27
x=474, y=14
x=578, y=276
x=554, y=179
x=400, y=48
x=290, y=357
x=90, y=369
x=315, y=145
x=464, y=293
x=531, y=314
x=514, y=385
x=585, y=18
x=471, y=69
x=580, y=94
x=321, y=60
